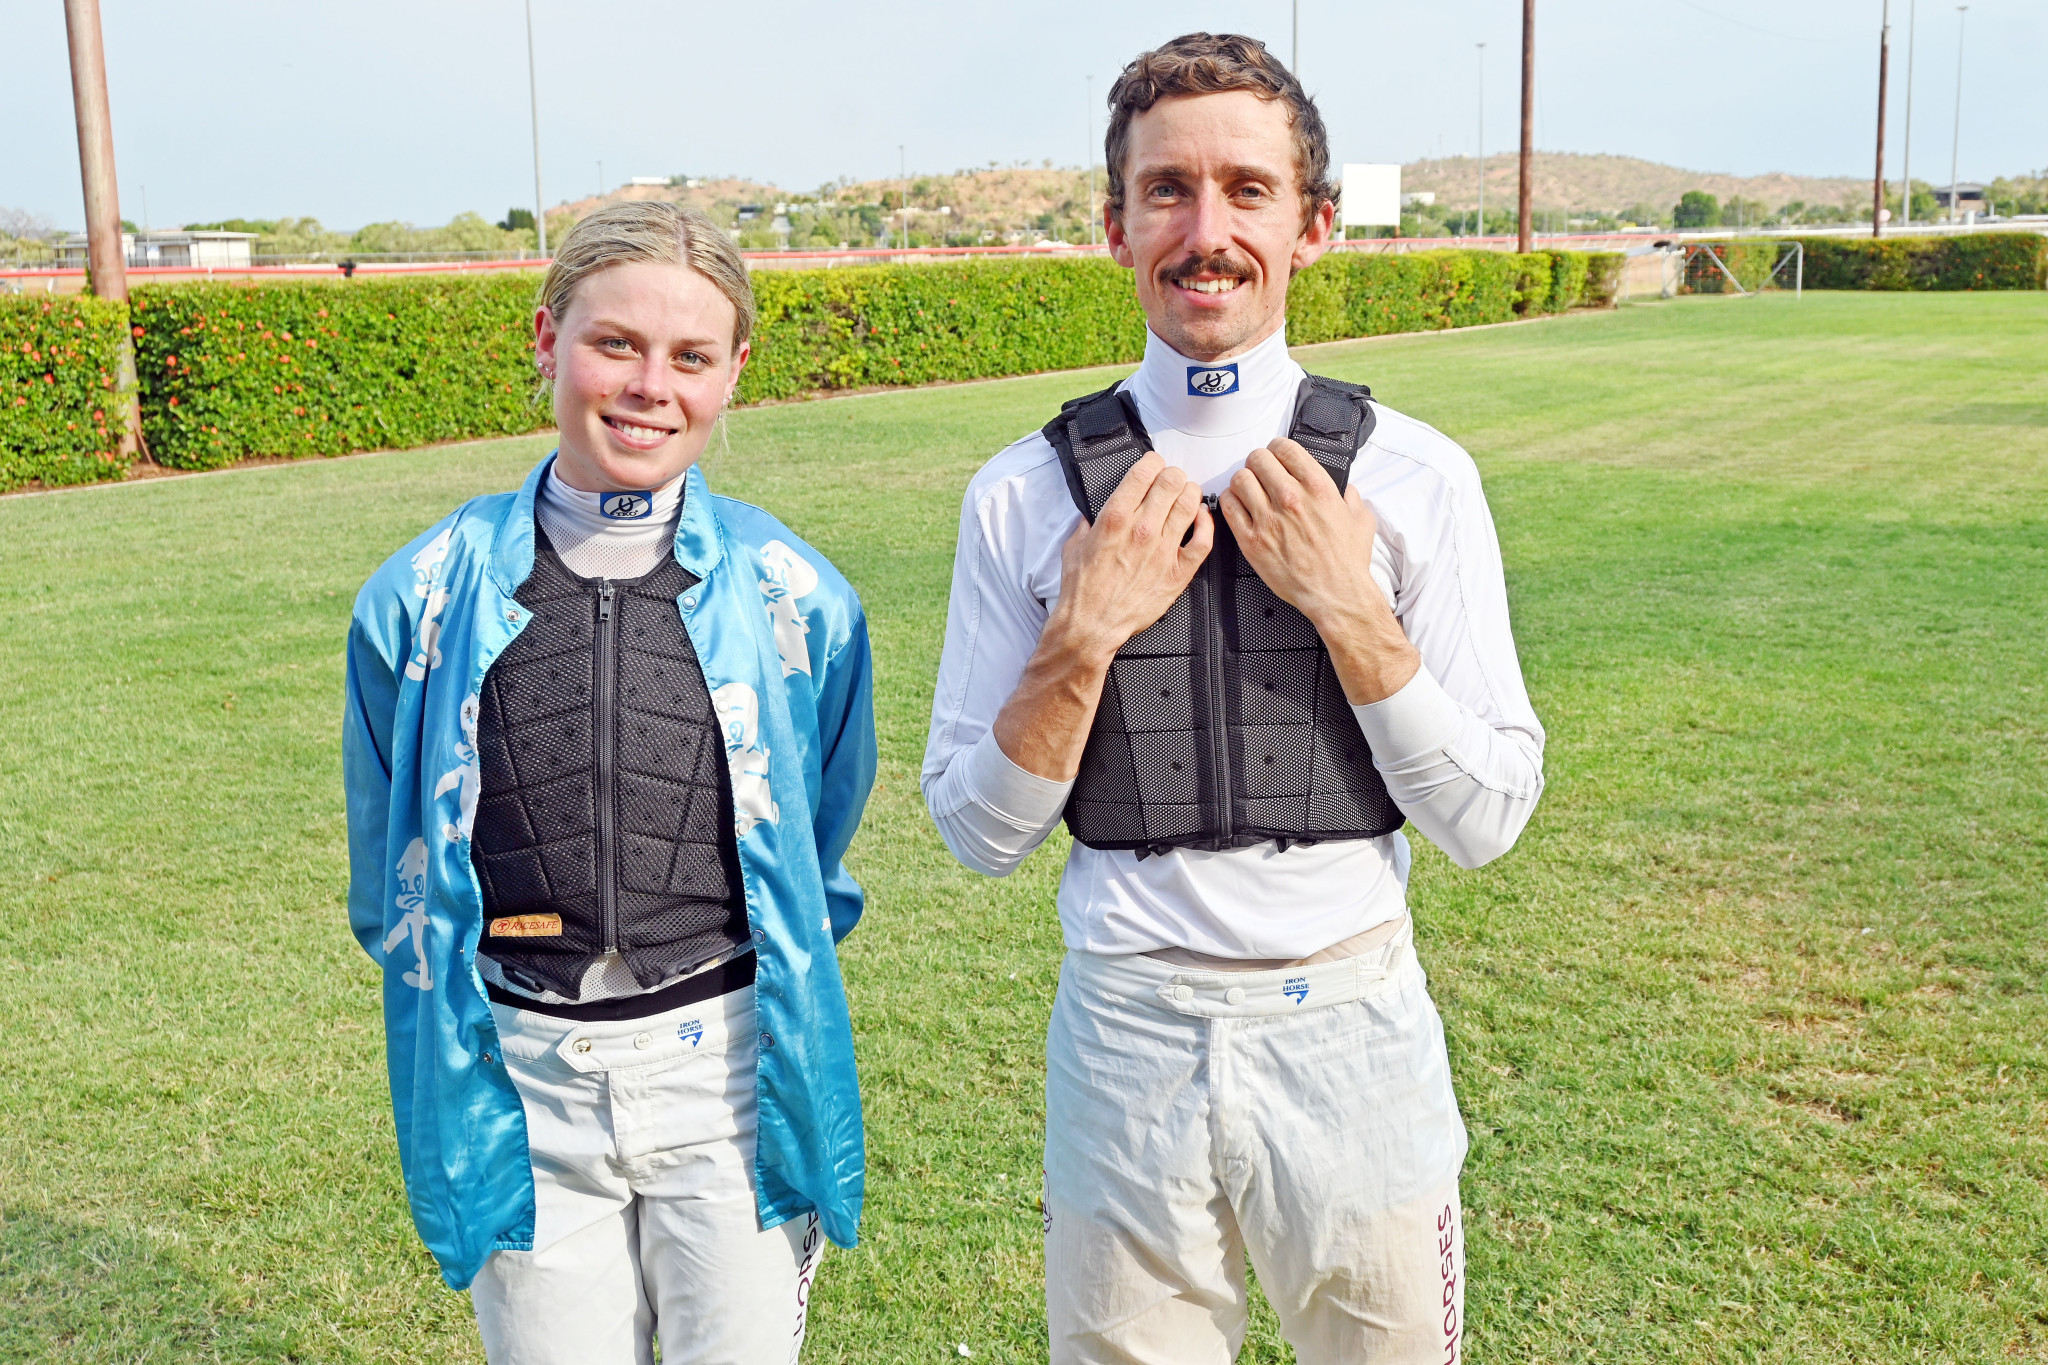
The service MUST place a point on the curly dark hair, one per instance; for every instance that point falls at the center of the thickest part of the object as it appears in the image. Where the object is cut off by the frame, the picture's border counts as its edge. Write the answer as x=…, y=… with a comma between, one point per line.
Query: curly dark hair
x=1207, y=64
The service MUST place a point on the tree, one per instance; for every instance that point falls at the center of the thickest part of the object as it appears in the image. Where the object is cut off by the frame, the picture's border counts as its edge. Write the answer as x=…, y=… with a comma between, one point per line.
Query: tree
x=1740, y=212
x=517, y=220
x=1696, y=209
x=259, y=226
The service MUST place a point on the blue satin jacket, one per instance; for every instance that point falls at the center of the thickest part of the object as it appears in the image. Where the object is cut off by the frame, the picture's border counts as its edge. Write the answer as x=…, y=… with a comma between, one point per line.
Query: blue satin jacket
x=784, y=648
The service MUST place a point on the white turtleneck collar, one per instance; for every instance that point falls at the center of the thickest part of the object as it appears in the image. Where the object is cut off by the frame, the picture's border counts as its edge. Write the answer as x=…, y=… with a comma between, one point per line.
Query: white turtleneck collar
x=1206, y=418
x=609, y=535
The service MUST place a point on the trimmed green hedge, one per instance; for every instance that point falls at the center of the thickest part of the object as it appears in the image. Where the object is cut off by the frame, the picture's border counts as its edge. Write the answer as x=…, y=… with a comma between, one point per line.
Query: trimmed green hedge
x=1982, y=260
x=234, y=370
x=866, y=325
x=60, y=419
x=230, y=371
x=1978, y=260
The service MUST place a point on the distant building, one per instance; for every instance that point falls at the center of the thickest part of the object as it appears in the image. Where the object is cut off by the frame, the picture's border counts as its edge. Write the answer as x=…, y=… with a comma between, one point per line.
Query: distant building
x=1969, y=198
x=1419, y=199
x=169, y=247
x=649, y=180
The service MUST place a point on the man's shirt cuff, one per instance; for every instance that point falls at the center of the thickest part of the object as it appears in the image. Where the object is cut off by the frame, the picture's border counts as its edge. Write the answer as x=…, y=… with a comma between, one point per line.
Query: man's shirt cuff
x=999, y=786
x=1416, y=720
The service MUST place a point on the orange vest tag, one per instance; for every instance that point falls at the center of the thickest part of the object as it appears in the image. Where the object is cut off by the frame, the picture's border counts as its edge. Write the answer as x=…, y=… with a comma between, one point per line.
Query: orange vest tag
x=527, y=926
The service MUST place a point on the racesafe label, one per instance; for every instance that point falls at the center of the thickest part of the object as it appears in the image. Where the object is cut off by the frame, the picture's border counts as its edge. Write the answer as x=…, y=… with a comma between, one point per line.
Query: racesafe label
x=626, y=506
x=1212, y=381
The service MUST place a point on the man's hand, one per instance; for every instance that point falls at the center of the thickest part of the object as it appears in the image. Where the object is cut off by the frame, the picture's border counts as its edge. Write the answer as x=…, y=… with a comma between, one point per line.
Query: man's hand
x=1120, y=574
x=1313, y=547
x=1117, y=577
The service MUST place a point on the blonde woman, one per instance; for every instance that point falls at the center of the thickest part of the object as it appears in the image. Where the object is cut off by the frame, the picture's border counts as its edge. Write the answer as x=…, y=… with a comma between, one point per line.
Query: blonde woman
x=606, y=742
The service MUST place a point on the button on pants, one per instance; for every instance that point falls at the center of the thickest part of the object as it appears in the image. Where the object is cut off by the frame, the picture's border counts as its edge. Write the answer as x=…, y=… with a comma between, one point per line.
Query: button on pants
x=642, y=1138
x=1303, y=1117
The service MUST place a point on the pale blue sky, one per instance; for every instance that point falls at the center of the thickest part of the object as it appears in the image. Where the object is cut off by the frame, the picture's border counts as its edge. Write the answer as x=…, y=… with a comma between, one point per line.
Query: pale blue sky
x=378, y=109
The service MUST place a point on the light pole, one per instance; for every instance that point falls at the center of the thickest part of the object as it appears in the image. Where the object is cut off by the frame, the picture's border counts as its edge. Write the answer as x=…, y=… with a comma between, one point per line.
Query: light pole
x=903, y=193
x=1884, y=60
x=1482, y=138
x=1294, y=62
x=1956, y=145
x=1522, y=224
x=540, y=212
x=1906, y=172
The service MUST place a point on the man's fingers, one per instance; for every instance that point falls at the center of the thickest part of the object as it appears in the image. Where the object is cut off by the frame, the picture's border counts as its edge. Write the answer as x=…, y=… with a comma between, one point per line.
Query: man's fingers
x=1181, y=515
x=1295, y=459
x=1149, y=519
x=1136, y=483
x=1232, y=504
x=1250, y=491
x=1200, y=541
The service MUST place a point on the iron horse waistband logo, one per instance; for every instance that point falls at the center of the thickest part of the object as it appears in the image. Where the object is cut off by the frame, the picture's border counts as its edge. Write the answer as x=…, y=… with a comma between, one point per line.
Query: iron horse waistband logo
x=1295, y=989
x=1212, y=381
x=626, y=506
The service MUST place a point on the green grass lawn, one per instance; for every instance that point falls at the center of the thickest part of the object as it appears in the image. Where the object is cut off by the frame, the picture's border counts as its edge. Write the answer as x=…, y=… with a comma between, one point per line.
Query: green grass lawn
x=1749, y=1030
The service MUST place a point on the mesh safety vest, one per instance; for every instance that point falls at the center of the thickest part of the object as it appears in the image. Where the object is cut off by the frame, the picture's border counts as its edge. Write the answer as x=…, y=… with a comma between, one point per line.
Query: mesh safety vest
x=1222, y=724
x=604, y=819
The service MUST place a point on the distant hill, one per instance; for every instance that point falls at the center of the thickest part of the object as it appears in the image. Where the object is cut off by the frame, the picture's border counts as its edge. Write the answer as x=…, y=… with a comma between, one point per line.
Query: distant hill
x=1613, y=184
x=1004, y=203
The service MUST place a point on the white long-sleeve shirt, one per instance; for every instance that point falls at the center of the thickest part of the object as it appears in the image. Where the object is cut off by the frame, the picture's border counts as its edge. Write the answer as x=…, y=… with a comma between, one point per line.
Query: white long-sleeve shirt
x=1459, y=746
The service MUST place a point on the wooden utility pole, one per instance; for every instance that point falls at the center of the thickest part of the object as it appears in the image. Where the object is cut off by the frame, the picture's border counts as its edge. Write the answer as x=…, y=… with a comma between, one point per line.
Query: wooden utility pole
x=106, y=259
x=1884, y=66
x=1528, y=118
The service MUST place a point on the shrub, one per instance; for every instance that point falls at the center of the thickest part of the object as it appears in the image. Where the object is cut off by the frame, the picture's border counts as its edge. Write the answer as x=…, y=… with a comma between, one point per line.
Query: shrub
x=1980, y=260
x=1603, y=278
x=869, y=325
x=230, y=371
x=876, y=325
x=60, y=418
x=1568, y=273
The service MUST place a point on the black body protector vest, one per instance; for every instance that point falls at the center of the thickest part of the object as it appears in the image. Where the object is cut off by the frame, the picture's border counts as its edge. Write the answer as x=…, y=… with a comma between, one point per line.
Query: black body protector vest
x=1222, y=724
x=605, y=816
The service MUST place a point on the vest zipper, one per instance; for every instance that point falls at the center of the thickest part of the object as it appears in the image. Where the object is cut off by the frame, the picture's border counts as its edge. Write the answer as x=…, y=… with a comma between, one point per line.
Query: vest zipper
x=607, y=744
x=1218, y=569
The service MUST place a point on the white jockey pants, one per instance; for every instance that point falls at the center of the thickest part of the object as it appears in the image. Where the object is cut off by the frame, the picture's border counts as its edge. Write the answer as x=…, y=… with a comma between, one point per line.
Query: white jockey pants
x=1303, y=1117
x=642, y=1138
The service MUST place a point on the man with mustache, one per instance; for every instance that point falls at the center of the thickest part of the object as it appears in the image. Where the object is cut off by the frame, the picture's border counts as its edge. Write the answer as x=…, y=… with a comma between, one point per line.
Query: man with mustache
x=1237, y=625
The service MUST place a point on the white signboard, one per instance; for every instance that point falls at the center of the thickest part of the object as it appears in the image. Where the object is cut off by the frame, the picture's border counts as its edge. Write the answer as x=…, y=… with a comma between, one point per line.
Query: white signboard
x=1371, y=196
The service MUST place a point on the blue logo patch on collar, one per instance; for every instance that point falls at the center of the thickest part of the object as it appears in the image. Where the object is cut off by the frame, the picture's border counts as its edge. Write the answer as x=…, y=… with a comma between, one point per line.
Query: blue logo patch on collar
x=626, y=506
x=1212, y=381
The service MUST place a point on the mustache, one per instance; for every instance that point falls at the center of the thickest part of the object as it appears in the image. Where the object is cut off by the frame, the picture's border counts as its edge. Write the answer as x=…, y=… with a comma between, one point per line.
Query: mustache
x=1215, y=263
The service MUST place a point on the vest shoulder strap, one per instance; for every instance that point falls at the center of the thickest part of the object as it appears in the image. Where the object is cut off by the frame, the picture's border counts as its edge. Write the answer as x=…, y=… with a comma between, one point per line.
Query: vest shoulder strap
x=1099, y=437
x=1332, y=421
